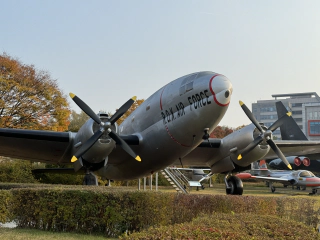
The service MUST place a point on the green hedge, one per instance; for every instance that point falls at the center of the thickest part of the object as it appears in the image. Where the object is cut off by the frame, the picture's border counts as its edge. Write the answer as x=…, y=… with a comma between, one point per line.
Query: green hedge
x=113, y=212
x=240, y=226
x=5, y=200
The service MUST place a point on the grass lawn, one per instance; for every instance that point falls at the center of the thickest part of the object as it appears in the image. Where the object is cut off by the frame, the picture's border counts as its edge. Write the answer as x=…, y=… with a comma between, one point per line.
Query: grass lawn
x=26, y=234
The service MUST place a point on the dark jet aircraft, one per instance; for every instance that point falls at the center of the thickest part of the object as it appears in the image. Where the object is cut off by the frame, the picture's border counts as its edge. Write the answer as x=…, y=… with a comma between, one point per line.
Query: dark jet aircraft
x=171, y=127
x=291, y=131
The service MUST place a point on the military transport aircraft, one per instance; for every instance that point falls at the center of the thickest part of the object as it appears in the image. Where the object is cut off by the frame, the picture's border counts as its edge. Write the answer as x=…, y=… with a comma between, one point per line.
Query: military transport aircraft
x=171, y=127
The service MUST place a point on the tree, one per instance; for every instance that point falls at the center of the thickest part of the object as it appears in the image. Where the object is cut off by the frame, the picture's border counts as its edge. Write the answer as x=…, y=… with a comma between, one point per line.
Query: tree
x=133, y=107
x=77, y=120
x=30, y=99
x=221, y=132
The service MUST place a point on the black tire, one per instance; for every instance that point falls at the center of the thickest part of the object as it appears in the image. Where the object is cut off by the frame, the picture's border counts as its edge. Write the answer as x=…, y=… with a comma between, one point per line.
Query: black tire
x=273, y=189
x=236, y=186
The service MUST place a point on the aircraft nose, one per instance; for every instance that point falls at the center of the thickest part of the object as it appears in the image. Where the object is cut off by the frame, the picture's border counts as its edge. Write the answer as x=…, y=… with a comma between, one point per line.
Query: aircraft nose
x=221, y=89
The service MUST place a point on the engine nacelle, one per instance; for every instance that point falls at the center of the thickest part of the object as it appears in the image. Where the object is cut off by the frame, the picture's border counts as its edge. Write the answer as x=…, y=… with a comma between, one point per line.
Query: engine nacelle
x=306, y=161
x=102, y=148
x=297, y=161
x=233, y=144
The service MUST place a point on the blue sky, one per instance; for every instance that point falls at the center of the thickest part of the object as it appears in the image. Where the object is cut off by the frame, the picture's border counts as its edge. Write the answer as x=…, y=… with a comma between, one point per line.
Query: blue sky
x=108, y=51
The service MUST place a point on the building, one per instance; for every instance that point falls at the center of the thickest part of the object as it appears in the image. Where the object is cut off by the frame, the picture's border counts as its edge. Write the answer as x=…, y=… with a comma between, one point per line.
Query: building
x=305, y=108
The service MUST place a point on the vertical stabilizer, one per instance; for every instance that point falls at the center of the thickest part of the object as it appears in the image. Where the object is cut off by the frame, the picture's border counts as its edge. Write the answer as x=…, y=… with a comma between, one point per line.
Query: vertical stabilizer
x=290, y=129
x=259, y=168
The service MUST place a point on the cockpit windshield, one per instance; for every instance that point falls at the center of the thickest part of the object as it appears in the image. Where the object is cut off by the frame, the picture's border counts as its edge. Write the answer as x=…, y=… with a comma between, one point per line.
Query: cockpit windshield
x=306, y=174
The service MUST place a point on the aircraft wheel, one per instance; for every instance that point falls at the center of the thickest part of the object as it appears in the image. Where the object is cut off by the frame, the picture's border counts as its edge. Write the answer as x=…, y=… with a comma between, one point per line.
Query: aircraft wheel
x=236, y=186
x=298, y=187
x=273, y=189
x=314, y=191
x=202, y=187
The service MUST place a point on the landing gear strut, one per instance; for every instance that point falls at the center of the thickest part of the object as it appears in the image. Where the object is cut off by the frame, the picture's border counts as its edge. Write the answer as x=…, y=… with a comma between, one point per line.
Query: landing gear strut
x=90, y=179
x=314, y=191
x=234, y=185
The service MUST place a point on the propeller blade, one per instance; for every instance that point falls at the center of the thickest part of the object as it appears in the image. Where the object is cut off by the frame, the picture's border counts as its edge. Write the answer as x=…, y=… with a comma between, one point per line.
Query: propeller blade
x=124, y=145
x=250, y=116
x=279, y=122
x=122, y=110
x=87, y=145
x=251, y=146
x=85, y=108
x=278, y=152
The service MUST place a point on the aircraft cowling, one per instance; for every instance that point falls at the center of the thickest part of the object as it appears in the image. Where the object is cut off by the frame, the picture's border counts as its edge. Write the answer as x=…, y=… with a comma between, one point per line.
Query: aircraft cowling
x=101, y=149
x=240, y=139
x=231, y=147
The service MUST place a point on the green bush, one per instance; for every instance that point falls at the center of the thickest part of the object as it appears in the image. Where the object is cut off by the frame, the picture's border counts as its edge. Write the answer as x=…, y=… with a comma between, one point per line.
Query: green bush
x=16, y=171
x=231, y=226
x=112, y=211
x=5, y=200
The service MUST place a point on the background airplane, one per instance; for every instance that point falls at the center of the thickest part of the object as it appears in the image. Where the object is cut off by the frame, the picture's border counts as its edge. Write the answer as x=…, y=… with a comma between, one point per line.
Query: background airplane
x=171, y=127
x=291, y=131
x=300, y=178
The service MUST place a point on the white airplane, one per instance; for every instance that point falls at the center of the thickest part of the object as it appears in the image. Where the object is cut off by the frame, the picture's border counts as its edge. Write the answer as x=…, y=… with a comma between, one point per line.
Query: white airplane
x=300, y=178
x=171, y=127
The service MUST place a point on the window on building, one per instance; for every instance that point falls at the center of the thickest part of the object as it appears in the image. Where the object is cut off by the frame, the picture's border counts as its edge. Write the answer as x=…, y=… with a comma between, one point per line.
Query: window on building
x=297, y=112
x=296, y=104
x=314, y=127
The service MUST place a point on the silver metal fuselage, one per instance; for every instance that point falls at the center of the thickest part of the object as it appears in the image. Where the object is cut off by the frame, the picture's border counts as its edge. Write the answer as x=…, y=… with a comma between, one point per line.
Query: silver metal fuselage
x=170, y=123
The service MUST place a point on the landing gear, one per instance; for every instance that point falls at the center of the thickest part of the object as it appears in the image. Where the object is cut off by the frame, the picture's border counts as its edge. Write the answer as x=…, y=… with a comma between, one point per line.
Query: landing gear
x=272, y=188
x=314, y=191
x=90, y=179
x=234, y=185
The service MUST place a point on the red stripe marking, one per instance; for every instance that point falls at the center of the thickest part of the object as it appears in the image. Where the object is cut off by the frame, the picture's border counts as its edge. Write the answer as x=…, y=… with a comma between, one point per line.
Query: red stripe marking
x=176, y=139
x=214, y=95
x=161, y=98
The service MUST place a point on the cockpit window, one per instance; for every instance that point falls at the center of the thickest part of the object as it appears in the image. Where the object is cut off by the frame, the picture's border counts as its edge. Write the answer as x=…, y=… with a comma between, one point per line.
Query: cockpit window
x=306, y=174
x=187, y=84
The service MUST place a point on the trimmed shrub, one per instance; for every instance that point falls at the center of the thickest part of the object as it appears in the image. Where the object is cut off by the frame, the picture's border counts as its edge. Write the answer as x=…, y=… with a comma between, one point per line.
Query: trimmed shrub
x=5, y=213
x=112, y=211
x=240, y=226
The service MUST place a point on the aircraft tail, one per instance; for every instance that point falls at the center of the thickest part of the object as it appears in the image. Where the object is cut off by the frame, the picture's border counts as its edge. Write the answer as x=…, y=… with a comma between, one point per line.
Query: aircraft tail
x=259, y=168
x=290, y=130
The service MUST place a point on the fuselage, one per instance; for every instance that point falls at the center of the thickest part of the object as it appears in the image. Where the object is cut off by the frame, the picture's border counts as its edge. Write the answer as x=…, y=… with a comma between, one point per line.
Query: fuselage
x=171, y=123
x=303, y=178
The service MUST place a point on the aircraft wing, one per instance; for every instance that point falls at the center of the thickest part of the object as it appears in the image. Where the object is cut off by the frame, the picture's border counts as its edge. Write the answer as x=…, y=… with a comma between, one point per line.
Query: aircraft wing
x=47, y=146
x=35, y=145
x=211, y=149
x=309, y=149
x=273, y=179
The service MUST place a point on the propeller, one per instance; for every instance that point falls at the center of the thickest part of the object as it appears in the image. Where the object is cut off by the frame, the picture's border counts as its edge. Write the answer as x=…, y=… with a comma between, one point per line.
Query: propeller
x=264, y=135
x=104, y=126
